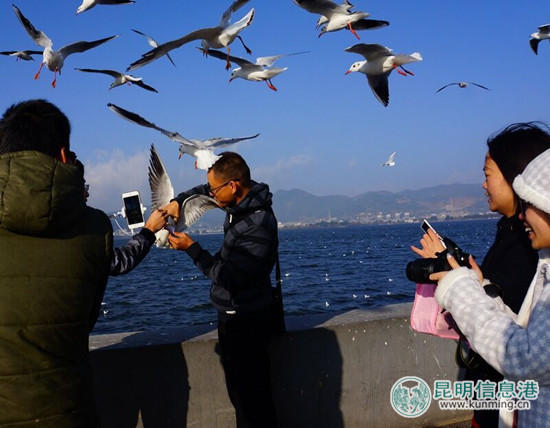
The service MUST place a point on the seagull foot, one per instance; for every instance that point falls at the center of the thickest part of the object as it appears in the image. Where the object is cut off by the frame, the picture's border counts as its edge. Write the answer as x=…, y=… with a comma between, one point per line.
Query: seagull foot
x=353, y=31
x=270, y=86
x=402, y=73
x=54, y=83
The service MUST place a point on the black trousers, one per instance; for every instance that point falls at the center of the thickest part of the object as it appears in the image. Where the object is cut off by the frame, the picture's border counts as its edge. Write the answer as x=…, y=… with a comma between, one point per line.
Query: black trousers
x=244, y=342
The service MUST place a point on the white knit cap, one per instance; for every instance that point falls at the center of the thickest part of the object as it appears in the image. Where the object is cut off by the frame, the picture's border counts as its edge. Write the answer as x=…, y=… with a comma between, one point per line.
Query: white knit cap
x=533, y=184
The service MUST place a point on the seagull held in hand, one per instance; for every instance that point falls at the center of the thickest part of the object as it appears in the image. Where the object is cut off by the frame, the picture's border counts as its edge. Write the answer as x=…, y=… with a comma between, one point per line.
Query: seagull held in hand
x=202, y=150
x=217, y=37
x=380, y=61
x=154, y=44
x=120, y=78
x=88, y=4
x=391, y=160
x=542, y=34
x=337, y=17
x=54, y=59
x=261, y=70
x=461, y=85
x=24, y=55
x=162, y=192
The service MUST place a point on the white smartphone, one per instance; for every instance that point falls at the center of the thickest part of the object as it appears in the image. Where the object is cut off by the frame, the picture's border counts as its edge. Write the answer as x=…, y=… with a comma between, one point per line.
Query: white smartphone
x=427, y=226
x=133, y=209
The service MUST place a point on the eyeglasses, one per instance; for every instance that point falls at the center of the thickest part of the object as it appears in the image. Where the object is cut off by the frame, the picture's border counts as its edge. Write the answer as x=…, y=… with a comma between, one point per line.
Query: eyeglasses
x=214, y=190
x=523, y=205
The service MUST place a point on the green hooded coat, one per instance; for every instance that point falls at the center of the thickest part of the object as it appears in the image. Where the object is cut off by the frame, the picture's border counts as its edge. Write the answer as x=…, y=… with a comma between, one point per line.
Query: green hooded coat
x=54, y=264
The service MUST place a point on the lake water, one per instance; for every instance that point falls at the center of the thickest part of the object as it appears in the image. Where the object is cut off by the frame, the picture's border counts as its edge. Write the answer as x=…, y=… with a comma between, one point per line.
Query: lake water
x=326, y=270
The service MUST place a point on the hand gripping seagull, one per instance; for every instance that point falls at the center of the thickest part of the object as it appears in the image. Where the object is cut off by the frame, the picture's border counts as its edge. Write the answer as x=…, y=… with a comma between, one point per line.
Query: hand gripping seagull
x=380, y=61
x=217, y=37
x=259, y=71
x=336, y=17
x=54, y=59
x=162, y=193
x=120, y=78
x=202, y=150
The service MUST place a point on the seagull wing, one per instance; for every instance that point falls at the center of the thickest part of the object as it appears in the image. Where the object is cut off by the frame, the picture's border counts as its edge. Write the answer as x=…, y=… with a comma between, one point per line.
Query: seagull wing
x=446, y=86
x=379, y=85
x=369, y=24
x=83, y=46
x=133, y=117
x=478, y=85
x=114, y=1
x=112, y=73
x=145, y=86
x=38, y=36
x=321, y=7
x=268, y=61
x=153, y=43
x=392, y=157
x=222, y=55
x=193, y=208
x=223, y=142
x=369, y=51
x=162, y=191
x=226, y=17
x=545, y=29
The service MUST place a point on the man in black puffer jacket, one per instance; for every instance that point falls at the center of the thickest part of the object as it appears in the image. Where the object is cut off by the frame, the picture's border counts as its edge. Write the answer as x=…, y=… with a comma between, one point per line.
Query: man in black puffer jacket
x=241, y=287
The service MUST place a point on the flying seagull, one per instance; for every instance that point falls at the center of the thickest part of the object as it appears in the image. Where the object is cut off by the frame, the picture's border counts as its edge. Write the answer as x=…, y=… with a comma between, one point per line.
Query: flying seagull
x=542, y=34
x=461, y=85
x=120, y=78
x=336, y=17
x=88, y=4
x=391, y=160
x=24, y=55
x=202, y=150
x=54, y=59
x=217, y=37
x=380, y=61
x=259, y=71
x=162, y=192
x=153, y=43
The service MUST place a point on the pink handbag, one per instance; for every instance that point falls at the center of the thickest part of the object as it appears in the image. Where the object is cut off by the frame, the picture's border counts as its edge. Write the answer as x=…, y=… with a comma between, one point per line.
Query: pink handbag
x=427, y=316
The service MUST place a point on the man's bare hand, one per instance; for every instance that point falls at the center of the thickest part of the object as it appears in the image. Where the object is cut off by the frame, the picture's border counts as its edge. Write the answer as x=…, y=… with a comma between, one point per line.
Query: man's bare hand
x=173, y=210
x=180, y=240
x=430, y=244
x=157, y=220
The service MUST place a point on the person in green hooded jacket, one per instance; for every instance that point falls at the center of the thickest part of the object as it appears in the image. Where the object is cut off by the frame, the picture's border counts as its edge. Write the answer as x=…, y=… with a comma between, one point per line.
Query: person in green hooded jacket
x=56, y=254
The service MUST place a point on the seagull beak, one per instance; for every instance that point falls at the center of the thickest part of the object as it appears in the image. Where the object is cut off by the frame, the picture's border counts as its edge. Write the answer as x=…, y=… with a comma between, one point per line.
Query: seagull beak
x=347, y=72
x=231, y=79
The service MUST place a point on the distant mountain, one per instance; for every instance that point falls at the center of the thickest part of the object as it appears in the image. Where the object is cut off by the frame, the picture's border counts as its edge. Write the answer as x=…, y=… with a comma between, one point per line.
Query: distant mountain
x=453, y=199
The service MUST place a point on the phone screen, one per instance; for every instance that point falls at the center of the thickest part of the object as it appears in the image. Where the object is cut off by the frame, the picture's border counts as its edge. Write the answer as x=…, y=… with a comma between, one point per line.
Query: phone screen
x=132, y=207
x=426, y=226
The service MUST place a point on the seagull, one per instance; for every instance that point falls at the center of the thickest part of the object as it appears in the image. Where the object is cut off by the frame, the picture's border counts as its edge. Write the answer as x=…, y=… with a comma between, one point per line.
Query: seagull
x=54, y=59
x=380, y=61
x=202, y=150
x=461, y=85
x=391, y=160
x=120, y=78
x=162, y=192
x=153, y=43
x=24, y=55
x=261, y=70
x=542, y=34
x=217, y=37
x=88, y=4
x=337, y=17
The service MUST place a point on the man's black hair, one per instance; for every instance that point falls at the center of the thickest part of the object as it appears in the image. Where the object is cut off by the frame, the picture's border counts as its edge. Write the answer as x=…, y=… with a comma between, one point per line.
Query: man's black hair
x=34, y=125
x=232, y=166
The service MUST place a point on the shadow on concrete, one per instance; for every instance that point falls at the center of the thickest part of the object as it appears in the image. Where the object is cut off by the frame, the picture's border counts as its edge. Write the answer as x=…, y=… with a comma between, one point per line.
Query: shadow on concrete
x=307, y=379
x=147, y=383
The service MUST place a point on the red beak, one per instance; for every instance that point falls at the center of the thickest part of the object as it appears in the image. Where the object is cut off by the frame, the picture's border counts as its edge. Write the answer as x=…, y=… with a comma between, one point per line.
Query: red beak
x=347, y=72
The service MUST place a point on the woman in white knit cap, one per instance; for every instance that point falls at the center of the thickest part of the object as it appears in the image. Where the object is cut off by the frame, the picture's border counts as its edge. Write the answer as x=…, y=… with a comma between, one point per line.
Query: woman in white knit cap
x=518, y=346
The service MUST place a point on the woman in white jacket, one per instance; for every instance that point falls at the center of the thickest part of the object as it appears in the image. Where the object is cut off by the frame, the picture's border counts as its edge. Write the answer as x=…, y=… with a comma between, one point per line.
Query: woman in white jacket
x=518, y=346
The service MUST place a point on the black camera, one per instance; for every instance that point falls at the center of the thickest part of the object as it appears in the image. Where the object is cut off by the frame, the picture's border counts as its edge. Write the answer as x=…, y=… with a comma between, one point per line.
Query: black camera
x=419, y=270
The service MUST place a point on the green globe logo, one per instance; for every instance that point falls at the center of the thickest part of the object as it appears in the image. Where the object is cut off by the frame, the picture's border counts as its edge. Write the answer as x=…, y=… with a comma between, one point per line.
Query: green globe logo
x=410, y=397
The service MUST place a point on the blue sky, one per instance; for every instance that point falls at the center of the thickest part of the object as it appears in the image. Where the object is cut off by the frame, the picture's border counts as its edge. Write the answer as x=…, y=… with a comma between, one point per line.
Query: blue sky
x=323, y=132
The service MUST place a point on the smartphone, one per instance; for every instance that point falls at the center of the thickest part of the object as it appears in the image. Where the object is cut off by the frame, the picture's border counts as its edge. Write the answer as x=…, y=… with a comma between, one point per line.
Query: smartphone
x=132, y=209
x=427, y=226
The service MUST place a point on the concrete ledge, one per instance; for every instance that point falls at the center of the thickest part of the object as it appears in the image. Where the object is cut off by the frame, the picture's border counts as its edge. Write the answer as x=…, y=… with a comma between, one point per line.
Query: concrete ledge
x=328, y=371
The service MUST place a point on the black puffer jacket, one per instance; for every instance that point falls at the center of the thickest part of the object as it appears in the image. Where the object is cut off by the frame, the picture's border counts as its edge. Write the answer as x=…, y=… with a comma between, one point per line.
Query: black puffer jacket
x=240, y=271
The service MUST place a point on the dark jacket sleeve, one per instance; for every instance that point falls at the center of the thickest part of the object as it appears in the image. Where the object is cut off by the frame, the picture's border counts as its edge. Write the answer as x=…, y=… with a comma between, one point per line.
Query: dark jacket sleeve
x=249, y=258
x=201, y=189
x=128, y=257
